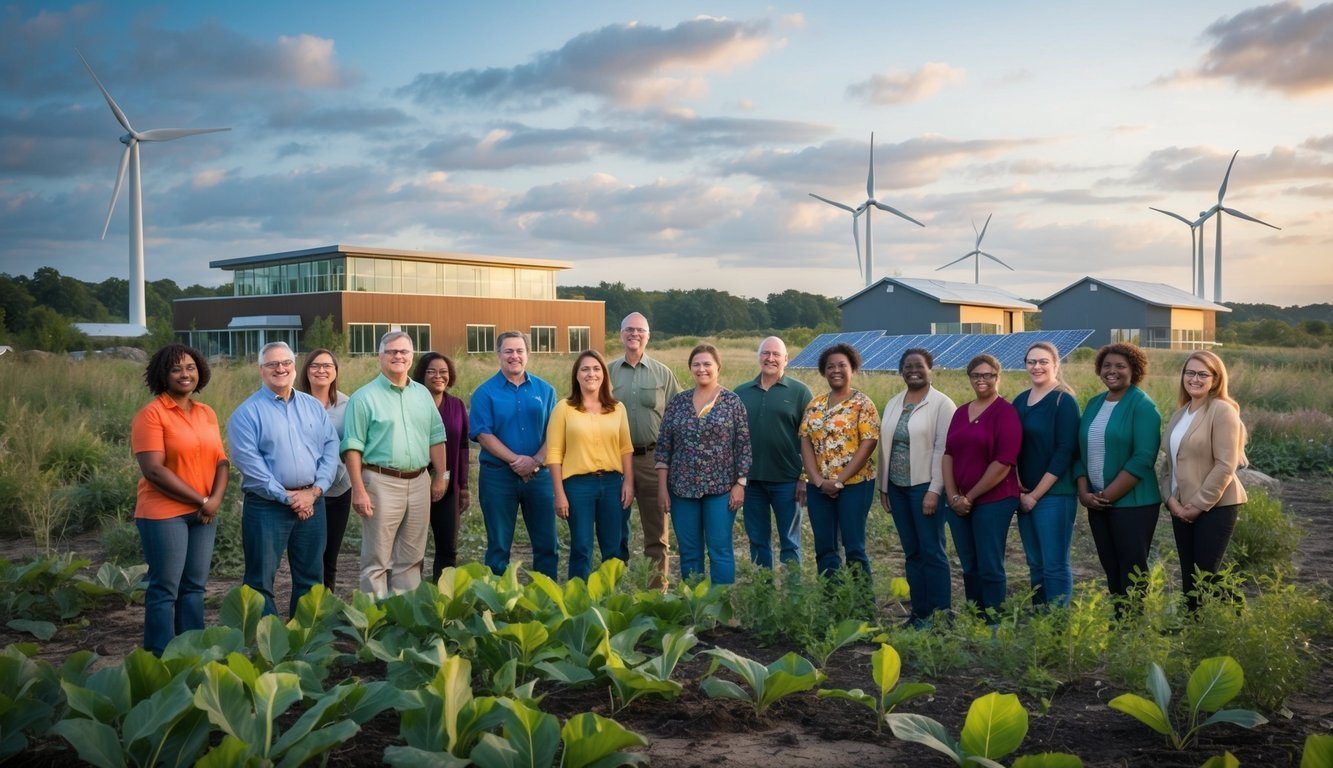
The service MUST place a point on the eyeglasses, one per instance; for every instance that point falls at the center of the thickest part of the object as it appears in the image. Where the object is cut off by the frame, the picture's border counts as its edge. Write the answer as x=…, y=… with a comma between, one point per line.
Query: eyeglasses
x=1200, y=375
x=983, y=376
x=639, y=331
x=437, y=373
x=322, y=366
x=1042, y=363
x=772, y=354
x=398, y=352
x=274, y=365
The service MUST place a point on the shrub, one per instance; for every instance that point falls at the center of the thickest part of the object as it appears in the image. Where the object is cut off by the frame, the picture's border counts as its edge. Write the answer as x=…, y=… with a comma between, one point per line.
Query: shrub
x=1265, y=538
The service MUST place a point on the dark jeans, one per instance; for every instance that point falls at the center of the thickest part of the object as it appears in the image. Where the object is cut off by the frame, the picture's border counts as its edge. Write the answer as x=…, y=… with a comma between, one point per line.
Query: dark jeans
x=760, y=497
x=1123, y=536
x=178, y=552
x=1202, y=544
x=926, y=565
x=269, y=527
x=1047, y=531
x=842, y=517
x=444, y=529
x=979, y=539
x=501, y=493
x=594, y=507
x=336, y=510
x=705, y=523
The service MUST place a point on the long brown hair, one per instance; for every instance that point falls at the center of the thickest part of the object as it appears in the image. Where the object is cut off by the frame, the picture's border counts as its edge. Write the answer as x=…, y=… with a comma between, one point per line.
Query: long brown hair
x=303, y=378
x=604, y=395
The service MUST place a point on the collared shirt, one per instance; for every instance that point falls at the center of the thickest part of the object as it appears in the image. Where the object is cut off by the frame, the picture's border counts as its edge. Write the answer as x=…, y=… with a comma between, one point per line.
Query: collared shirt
x=392, y=426
x=191, y=447
x=775, y=421
x=280, y=444
x=515, y=415
x=645, y=389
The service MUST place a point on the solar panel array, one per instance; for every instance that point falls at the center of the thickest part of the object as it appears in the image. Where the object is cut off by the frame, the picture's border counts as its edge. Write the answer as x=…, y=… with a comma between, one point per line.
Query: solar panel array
x=951, y=350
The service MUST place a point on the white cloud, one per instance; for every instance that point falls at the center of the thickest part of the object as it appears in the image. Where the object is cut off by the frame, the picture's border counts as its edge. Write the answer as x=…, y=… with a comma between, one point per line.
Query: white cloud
x=906, y=87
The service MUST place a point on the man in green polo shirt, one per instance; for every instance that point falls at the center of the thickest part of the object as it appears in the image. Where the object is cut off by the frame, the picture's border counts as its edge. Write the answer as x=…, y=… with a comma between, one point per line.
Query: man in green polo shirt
x=774, y=405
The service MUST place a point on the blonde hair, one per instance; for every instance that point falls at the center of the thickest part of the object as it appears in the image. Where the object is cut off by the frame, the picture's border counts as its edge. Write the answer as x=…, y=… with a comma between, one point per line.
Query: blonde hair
x=1047, y=346
x=1215, y=366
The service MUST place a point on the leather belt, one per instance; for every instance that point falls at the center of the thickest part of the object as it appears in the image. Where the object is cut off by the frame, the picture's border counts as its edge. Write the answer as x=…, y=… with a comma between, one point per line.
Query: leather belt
x=645, y=449
x=302, y=488
x=413, y=474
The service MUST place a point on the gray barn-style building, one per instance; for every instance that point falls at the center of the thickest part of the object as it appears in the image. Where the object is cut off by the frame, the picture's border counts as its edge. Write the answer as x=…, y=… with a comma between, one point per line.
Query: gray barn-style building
x=1147, y=314
x=900, y=306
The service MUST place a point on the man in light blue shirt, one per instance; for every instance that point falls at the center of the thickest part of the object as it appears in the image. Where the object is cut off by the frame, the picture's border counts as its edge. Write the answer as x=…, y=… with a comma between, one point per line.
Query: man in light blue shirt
x=287, y=452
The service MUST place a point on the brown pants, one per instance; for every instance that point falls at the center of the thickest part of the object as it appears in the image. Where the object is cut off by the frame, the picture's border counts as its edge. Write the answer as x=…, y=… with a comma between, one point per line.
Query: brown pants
x=656, y=545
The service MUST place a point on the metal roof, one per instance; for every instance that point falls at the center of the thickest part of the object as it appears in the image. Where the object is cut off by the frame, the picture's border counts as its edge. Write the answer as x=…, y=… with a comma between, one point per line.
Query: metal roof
x=947, y=292
x=1157, y=294
x=325, y=251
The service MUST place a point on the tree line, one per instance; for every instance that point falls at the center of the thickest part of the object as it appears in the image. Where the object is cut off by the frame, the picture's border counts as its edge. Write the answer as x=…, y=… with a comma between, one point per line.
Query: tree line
x=707, y=311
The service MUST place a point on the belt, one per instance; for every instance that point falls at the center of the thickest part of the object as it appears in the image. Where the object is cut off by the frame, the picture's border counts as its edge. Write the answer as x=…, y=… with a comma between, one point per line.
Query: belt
x=412, y=474
x=302, y=488
x=645, y=449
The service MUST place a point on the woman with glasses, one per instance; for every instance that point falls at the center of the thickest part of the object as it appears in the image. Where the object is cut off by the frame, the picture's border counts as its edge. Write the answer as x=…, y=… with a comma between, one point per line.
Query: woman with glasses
x=1047, y=506
x=1205, y=444
x=437, y=373
x=1118, y=438
x=980, y=483
x=319, y=379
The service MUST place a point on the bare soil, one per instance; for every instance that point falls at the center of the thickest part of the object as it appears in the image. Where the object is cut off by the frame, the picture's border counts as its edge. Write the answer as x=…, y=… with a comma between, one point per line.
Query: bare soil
x=805, y=731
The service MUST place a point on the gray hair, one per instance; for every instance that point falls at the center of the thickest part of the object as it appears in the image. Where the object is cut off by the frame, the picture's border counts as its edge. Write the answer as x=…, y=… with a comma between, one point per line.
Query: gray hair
x=394, y=336
x=274, y=345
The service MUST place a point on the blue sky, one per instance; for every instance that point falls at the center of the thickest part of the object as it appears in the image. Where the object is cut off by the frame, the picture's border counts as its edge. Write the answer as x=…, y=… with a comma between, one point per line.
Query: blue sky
x=672, y=145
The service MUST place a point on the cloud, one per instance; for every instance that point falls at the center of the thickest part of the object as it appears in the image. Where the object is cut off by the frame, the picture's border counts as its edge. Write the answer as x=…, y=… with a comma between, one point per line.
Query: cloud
x=291, y=118
x=907, y=87
x=626, y=64
x=1196, y=168
x=1319, y=143
x=1282, y=47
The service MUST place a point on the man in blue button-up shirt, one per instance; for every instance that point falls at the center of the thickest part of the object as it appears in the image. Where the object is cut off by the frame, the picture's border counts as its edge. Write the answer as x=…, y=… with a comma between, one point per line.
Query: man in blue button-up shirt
x=287, y=452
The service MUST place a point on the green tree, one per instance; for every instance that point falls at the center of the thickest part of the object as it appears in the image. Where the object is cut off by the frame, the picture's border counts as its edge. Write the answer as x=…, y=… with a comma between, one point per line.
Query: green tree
x=50, y=331
x=16, y=302
x=323, y=334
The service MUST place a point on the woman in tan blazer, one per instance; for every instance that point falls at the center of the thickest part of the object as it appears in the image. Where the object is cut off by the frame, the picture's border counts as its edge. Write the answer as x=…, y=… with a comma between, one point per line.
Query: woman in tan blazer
x=1205, y=443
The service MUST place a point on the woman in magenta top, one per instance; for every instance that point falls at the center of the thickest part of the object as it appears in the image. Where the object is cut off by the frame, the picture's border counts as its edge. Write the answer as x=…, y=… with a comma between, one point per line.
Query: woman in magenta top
x=980, y=484
x=436, y=372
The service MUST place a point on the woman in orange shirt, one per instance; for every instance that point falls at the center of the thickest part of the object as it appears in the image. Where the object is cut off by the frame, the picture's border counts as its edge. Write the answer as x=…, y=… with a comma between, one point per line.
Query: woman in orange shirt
x=179, y=449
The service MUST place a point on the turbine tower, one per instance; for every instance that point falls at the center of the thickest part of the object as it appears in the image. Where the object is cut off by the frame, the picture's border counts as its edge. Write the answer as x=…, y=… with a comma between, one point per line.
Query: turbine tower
x=870, y=202
x=977, y=253
x=137, y=315
x=1196, y=253
x=1218, y=210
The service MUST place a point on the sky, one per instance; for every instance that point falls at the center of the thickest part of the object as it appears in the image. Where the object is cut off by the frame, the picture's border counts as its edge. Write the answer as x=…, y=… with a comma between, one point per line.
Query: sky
x=674, y=145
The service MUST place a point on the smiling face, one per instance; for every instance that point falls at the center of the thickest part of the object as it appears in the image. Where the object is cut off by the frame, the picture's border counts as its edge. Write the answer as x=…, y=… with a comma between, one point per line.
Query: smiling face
x=1043, y=367
x=396, y=359
x=1116, y=373
x=590, y=375
x=915, y=372
x=513, y=355
x=437, y=376
x=838, y=371
x=985, y=380
x=1198, y=379
x=634, y=334
x=705, y=369
x=278, y=370
x=322, y=371
x=773, y=357
x=183, y=377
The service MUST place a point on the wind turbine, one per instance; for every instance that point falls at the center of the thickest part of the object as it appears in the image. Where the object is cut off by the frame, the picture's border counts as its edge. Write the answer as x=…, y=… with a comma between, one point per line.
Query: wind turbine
x=1196, y=254
x=870, y=202
x=977, y=253
x=138, y=315
x=1218, y=210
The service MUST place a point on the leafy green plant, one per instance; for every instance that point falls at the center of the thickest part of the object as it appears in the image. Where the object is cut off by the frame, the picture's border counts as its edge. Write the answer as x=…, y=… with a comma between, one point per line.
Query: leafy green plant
x=767, y=684
x=128, y=584
x=709, y=604
x=38, y=593
x=30, y=698
x=446, y=718
x=996, y=725
x=530, y=738
x=1265, y=538
x=1318, y=751
x=653, y=677
x=1224, y=760
x=593, y=741
x=1049, y=760
x=837, y=636
x=885, y=668
x=1214, y=683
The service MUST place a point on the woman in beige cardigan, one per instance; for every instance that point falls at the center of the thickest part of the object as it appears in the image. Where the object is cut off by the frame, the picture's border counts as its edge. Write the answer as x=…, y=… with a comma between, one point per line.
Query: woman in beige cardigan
x=1205, y=443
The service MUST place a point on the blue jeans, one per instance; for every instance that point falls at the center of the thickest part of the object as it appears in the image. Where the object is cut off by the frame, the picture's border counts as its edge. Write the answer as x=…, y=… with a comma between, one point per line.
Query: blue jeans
x=705, y=521
x=502, y=493
x=178, y=552
x=925, y=563
x=594, y=503
x=1047, y=531
x=979, y=539
x=845, y=517
x=760, y=496
x=267, y=528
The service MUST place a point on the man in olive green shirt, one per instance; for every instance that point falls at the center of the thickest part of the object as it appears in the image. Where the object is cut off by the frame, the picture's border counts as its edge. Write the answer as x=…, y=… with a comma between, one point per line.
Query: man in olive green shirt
x=644, y=385
x=392, y=431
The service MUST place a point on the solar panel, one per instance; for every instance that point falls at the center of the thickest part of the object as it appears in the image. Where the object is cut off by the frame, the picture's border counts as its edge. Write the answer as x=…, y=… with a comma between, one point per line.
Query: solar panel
x=861, y=341
x=951, y=350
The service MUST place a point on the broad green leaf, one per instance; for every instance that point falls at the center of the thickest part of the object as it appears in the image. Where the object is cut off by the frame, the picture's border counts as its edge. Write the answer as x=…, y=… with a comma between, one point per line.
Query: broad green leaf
x=151, y=718
x=590, y=738
x=482, y=714
x=89, y=703
x=453, y=684
x=241, y=666
x=1049, y=760
x=885, y=667
x=565, y=673
x=229, y=754
x=856, y=694
x=717, y=688
x=274, y=693
x=1144, y=711
x=602, y=583
x=1159, y=688
x=905, y=692
x=545, y=585
x=898, y=588
x=531, y=738
x=322, y=714
x=366, y=701
x=996, y=725
x=271, y=640
x=187, y=739
x=790, y=674
x=411, y=757
x=42, y=630
x=242, y=609
x=97, y=743
x=317, y=743
x=528, y=636
x=924, y=730
x=1318, y=751
x=630, y=684
x=1224, y=760
x=224, y=697
x=749, y=670
x=1243, y=717
x=316, y=608
x=146, y=674
x=1214, y=682
x=204, y=645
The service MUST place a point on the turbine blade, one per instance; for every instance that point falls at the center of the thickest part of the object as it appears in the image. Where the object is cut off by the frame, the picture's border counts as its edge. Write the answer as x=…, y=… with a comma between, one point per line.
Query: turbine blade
x=997, y=261
x=115, y=109
x=860, y=270
x=1248, y=217
x=897, y=213
x=167, y=134
x=981, y=236
x=1222, y=190
x=955, y=261
x=120, y=182
x=847, y=208
x=1175, y=216
x=870, y=177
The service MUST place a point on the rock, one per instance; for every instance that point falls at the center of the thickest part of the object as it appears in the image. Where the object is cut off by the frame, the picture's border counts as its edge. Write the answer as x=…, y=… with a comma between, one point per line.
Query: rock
x=35, y=356
x=125, y=353
x=1253, y=478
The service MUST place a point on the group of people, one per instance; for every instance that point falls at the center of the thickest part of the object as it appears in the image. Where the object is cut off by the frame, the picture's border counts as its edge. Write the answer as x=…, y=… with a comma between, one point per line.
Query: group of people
x=628, y=435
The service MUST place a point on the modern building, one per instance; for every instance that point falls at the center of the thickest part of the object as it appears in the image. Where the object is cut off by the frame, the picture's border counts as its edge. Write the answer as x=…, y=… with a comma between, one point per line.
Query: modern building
x=904, y=305
x=448, y=302
x=1146, y=314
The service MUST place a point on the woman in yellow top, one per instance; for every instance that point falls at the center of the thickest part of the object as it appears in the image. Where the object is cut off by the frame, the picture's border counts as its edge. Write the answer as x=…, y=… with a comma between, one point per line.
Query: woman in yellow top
x=839, y=431
x=589, y=453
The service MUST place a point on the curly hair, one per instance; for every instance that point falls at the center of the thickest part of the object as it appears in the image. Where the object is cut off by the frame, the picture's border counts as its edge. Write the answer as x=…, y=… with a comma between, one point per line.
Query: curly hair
x=1138, y=361
x=922, y=352
x=841, y=348
x=157, y=374
x=419, y=373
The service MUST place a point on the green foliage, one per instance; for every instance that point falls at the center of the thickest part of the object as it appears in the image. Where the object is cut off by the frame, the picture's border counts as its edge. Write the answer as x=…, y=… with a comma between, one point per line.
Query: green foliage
x=1265, y=538
x=885, y=667
x=996, y=725
x=37, y=594
x=593, y=741
x=30, y=698
x=323, y=334
x=709, y=605
x=1318, y=751
x=1214, y=683
x=128, y=584
x=767, y=684
x=839, y=635
x=652, y=677
x=802, y=609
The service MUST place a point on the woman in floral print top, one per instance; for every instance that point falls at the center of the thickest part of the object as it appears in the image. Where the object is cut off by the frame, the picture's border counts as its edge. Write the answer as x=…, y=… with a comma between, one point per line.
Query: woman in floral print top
x=703, y=457
x=838, y=434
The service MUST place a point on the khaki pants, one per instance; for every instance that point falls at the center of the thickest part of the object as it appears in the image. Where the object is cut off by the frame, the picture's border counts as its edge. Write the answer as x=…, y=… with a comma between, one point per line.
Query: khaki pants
x=393, y=540
x=656, y=545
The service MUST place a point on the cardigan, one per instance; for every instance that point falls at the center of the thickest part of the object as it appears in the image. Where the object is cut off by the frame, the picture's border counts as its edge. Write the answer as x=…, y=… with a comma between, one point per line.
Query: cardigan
x=1049, y=440
x=1133, y=436
x=1205, y=465
x=928, y=426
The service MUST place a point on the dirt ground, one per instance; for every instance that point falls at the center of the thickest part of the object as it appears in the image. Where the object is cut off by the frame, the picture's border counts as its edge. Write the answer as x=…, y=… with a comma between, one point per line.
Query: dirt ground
x=803, y=730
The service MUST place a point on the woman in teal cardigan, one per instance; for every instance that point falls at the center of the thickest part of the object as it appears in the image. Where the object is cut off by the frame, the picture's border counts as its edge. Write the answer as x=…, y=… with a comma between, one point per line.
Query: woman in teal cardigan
x=1118, y=436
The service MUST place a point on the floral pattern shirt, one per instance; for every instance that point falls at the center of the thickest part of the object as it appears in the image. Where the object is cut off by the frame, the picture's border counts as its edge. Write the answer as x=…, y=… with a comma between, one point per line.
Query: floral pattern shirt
x=836, y=432
x=704, y=455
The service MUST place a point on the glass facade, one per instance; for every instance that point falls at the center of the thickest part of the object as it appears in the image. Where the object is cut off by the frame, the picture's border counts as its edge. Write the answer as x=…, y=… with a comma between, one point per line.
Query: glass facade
x=239, y=344
x=387, y=275
x=543, y=338
x=481, y=338
x=964, y=328
x=580, y=338
x=364, y=338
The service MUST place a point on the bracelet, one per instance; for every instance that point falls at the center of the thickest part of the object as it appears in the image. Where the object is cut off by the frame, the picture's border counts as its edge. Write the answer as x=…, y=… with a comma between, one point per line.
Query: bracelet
x=204, y=503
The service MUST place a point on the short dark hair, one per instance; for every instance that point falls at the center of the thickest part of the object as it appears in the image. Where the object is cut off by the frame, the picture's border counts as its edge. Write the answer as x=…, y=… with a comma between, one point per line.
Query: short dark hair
x=604, y=395
x=158, y=370
x=708, y=349
x=922, y=351
x=1138, y=361
x=841, y=348
x=984, y=359
x=303, y=378
x=419, y=373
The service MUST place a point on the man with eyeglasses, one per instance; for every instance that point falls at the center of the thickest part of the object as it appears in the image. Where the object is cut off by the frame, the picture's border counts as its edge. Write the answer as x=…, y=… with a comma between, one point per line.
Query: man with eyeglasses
x=287, y=452
x=392, y=432
x=774, y=405
x=644, y=385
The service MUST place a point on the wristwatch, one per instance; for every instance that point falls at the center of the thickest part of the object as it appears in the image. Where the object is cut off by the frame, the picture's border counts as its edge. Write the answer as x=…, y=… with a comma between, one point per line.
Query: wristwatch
x=742, y=481
x=838, y=484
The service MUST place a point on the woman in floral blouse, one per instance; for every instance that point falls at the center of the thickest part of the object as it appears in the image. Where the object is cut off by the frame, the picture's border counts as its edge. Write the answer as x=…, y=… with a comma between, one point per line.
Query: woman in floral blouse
x=703, y=457
x=838, y=434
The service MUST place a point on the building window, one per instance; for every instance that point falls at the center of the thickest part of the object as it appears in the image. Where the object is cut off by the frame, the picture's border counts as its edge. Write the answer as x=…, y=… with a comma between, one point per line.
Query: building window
x=543, y=338
x=580, y=337
x=364, y=338
x=961, y=328
x=481, y=338
x=420, y=335
x=1130, y=335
